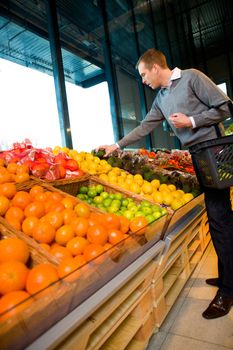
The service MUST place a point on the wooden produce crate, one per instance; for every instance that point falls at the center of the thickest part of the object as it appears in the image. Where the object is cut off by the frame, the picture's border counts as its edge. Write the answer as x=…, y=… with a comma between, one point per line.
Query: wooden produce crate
x=124, y=319
x=67, y=185
x=183, y=250
x=205, y=231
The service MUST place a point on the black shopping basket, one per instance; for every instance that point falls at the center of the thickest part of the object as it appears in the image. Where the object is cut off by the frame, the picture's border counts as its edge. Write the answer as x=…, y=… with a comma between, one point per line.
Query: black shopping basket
x=213, y=161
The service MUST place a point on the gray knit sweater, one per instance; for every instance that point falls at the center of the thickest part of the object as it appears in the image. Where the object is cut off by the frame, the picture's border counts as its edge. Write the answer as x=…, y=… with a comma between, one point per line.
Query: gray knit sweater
x=193, y=94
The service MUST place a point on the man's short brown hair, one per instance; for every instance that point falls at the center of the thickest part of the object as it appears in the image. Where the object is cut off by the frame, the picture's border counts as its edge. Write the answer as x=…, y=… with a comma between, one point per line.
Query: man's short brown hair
x=151, y=57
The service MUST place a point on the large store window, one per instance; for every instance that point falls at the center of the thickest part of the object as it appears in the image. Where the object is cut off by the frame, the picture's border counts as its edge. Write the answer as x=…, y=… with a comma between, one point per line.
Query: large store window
x=29, y=110
x=28, y=107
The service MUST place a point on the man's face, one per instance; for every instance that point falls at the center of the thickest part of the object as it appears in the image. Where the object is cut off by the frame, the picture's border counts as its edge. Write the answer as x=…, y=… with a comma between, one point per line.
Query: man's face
x=149, y=76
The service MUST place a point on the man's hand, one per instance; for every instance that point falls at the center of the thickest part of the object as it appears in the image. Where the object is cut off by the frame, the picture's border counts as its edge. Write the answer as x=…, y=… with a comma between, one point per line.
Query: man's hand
x=180, y=120
x=108, y=149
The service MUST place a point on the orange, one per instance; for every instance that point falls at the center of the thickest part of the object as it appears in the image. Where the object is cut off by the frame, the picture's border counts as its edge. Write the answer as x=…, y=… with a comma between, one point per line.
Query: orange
x=111, y=221
x=56, y=196
x=48, y=203
x=19, y=178
x=69, y=202
x=15, y=224
x=14, y=213
x=115, y=236
x=36, y=189
x=22, y=169
x=60, y=252
x=13, y=276
x=4, y=176
x=21, y=199
x=54, y=218
x=13, y=249
x=68, y=216
x=69, y=266
x=80, y=259
x=92, y=251
x=14, y=302
x=138, y=225
x=124, y=224
x=8, y=189
x=97, y=234
x=64, y=234
x=4, y=204
x=40, y=197
x=40, y=277
x=92, y=221
x=35, y=208
x=11, y=167
x=44, y=232
x=56, y=206
x=29, y=224
x=76, y=245
x=80, y=226
x=82, y=210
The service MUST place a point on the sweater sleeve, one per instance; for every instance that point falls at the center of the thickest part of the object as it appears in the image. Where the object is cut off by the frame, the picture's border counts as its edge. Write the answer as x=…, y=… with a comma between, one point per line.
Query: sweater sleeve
x=211, y=96
x=153, y=118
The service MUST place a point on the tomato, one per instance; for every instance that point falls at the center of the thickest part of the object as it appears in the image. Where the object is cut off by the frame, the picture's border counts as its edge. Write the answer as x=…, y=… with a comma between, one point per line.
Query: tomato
x=62, y=171
x=71, y=164
x=60, y=160
x=40, y=170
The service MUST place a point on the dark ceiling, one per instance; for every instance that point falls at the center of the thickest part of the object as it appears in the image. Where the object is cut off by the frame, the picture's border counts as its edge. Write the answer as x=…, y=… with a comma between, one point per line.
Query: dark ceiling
x=188, y=31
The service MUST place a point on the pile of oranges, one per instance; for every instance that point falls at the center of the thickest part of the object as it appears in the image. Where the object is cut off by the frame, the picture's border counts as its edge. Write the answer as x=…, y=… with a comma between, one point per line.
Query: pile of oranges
x=17, y=281
x=13, y=172
x=66, y=228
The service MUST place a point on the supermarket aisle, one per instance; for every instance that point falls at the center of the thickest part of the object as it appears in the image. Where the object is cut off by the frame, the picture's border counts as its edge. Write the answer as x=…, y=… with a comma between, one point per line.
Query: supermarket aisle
x=184, y=327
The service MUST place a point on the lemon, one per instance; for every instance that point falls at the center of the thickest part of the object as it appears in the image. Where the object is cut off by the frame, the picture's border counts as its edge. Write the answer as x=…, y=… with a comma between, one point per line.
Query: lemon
x=116, y=170
x=130, y=176
x=103, y=162
x=163, y=187
x=167, y=198
x=155, y=183
x=89, y=156
x=176, y=203
x=176, y=194
x=128, y=181
x=112, y=180
x=187, y=197
x=181, y=192
x=96, y=160
x=147, y=188
x=107, y=167
x=157, y=197
x=138, y=179
x=135, y=188
x=171, y=187
x=123, y=174
x=103, y=177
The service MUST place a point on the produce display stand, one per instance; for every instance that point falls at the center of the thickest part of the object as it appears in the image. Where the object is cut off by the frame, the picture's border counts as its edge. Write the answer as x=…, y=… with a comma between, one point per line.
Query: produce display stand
x=126, y=309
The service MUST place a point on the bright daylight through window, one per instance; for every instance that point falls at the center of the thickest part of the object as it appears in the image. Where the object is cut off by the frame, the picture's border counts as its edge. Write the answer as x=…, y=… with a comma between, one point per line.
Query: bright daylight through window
x=29, y=110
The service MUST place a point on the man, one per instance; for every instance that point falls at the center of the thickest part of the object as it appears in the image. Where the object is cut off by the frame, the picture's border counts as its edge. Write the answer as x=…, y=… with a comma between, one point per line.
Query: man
x=193, y=106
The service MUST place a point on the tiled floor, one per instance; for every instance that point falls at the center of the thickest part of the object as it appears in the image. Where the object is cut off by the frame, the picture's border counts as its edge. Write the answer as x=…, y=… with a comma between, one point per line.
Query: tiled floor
x=184, y=327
